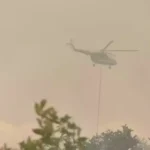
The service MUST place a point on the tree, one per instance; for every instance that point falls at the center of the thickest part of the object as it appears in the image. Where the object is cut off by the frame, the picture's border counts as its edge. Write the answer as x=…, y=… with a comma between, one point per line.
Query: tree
x=142, y=145
x=60, y=133
x=114, y=140
x=55, y=133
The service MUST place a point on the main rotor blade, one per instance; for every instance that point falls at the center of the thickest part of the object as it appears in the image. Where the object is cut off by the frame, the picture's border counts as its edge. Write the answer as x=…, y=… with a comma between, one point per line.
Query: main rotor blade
x=123, y=50
x=108, y=44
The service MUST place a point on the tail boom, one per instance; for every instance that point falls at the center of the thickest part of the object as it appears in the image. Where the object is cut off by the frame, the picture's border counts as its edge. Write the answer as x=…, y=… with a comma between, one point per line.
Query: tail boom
x=78, y=50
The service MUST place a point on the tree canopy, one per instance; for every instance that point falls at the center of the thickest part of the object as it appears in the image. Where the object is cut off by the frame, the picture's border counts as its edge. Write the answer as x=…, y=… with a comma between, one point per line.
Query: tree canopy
x=61, y=133
x=55, y=132
x=114, y=140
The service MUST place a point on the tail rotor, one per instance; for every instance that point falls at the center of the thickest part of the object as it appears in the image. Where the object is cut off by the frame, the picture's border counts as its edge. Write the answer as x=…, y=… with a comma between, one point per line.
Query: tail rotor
x=70, y=43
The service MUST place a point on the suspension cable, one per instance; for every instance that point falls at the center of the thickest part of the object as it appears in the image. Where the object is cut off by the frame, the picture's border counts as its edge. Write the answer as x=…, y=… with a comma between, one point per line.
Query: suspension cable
x=99, y=98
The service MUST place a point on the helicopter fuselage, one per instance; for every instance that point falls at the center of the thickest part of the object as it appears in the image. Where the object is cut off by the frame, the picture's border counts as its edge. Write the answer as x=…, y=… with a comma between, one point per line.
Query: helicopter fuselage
x=102, y=58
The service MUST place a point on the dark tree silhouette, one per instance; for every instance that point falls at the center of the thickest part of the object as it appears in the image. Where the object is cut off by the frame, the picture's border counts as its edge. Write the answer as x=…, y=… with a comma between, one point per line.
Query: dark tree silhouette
x=60, y=133
x=55, y=133
x=114, y=140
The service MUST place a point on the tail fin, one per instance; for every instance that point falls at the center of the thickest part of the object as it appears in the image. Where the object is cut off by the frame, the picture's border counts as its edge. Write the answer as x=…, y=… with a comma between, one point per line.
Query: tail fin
x=78, y=50
x=71, y=44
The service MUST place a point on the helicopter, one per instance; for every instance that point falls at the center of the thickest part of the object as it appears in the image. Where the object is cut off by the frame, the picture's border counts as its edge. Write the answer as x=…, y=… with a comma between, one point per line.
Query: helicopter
x=102, y=57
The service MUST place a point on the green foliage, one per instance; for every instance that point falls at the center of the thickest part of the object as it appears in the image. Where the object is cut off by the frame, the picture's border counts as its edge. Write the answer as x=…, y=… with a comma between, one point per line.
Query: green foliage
x=55, y=133
x=60, y=133
x=30, y=144
x=114, y=140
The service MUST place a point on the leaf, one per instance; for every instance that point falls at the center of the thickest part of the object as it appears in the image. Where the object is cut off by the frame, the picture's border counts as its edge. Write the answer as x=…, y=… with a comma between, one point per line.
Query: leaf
x=54, y=141
x=65, y=119
x=82, y=139
x=47, y=112
x=53, y=148
x=64, y=131
x=78, y=131
x=71, y=134
x=48, y=127
x=69, y=146
x=29, y=144
x=72, y=126
x=39, y=122
x=38, y=131
x=45, y=139
x=43, y=103
x=37, y=109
